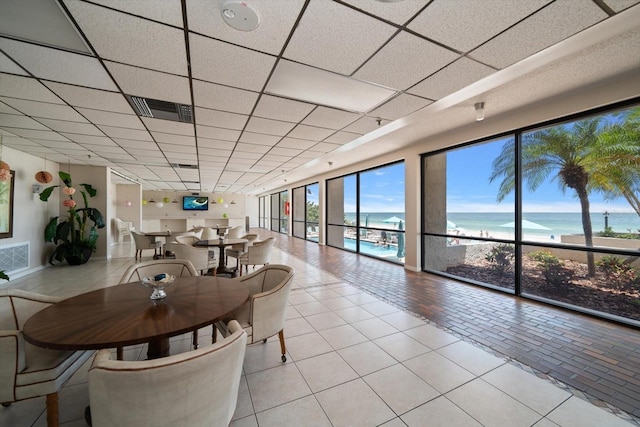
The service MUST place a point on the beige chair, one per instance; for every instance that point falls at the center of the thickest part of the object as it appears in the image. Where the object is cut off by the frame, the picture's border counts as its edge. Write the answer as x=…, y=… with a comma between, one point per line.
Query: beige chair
x=124, y=229
x=186, y=240
x=209, y=233
x=175, y=267
x=234, y=251
x=27, y=371
x=257, y=254
x=196, y=388
x=235, y=232
x=202, y=259
x=263, y=315
x=144, y=242
x=174, y=236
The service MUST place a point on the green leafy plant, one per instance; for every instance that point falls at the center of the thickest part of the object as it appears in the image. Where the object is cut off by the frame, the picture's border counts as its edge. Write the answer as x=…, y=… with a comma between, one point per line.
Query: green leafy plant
x=620, y=275
x=501, y=256
x=75, y=242
x=552, y=268
x=3, y=275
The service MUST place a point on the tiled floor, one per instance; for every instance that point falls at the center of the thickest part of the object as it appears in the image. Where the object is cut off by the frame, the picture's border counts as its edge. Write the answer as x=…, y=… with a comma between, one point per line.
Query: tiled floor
x=354, y=359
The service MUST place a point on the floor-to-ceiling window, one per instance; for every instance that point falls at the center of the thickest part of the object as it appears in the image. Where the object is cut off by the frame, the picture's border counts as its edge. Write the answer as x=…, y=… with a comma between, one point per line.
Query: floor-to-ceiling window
x=280, y=212
x=365, y=212
x=550, y=213
x=263, y=212
x=305, y=205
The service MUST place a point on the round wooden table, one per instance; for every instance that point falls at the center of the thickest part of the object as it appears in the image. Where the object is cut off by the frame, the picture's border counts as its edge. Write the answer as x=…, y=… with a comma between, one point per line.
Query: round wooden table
x=222, y=243
x=124, y=315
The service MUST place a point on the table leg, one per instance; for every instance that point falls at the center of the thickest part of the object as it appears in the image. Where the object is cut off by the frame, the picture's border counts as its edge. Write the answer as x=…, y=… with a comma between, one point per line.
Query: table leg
x=158, y=348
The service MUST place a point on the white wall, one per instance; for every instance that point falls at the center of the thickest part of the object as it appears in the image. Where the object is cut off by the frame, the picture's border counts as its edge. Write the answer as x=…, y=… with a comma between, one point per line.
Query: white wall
x=30, y=214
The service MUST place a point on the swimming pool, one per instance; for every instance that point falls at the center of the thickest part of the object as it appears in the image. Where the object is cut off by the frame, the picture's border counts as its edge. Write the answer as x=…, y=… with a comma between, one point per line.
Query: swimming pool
x=370, y=248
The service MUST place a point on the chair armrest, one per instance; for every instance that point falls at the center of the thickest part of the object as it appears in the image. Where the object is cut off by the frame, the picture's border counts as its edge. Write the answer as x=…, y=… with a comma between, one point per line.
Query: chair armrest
x=268, y=311
x=13, y=361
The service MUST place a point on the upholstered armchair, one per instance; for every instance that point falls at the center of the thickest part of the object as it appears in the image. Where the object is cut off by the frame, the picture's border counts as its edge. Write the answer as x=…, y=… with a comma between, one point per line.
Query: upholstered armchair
x=174, y=236
x=175, y=267
x=202, y=259
x=234, y=251
x=196, y=388
x=263, y=315
x=124, y=229
x=28, y=371
x=235, y=232
x=146, y=242
x=257, y=254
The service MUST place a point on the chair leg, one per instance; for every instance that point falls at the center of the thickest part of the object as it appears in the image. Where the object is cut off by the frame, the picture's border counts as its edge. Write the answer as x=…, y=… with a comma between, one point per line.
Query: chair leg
x=52, y=409
x=282, y=346
x=119, y=353
x=195, y=339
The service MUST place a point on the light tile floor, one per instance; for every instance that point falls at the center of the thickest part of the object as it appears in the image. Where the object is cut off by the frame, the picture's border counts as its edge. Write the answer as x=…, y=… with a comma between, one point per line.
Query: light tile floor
x=353, y=360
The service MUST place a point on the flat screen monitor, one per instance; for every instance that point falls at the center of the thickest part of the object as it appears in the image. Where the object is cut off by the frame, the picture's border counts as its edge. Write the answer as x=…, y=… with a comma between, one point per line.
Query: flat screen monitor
x=195, y=203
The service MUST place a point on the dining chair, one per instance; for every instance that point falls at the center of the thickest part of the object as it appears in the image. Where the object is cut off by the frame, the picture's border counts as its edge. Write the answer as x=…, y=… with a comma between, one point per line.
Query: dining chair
x=124, y=229
x=26, y=370
x=175, y=267
x=257, y=254
x=263, y=316
x=195, y=388
x=145, y=242
x=234, y=251
x=202, y=259
x=235, y=232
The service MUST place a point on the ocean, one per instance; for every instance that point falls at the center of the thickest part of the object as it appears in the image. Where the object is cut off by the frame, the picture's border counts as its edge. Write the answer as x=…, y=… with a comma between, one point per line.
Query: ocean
x=558, y=223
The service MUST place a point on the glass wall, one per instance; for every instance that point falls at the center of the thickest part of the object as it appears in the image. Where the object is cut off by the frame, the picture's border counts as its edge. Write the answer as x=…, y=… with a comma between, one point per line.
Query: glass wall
x=280, y=212
x=365, y=212
x=263, y=212
x=305, y=212
x=551, y=213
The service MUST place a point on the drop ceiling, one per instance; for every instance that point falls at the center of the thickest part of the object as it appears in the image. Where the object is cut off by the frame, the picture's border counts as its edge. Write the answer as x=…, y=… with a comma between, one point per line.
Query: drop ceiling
x=317, y=81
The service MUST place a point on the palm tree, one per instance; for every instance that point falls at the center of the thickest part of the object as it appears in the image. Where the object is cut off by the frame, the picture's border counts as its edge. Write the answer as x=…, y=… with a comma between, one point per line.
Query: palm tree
x=576, y=156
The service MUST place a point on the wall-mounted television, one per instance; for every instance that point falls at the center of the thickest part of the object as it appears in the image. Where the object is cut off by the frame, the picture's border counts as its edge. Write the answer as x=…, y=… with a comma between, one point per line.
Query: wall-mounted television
x=195, y=203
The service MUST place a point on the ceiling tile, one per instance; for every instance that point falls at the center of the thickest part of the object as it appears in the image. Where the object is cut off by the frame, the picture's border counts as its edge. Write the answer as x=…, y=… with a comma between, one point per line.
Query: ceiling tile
x=620, y=5
x=91, y=98
x=276, y=21
x=296, y=143
x=365, y=125
x=395, y=11
x=223, y=98
x=310, y=132
x=288, y=110
x=117, y=132
x=244, y=155
x=324, y=147
x=353, y=37
x=5, y=109
x=174, y=148
x=404, y=61
x=215, y=144
x=280, y=151
x=217, y=133
x=151, y=84
x=137, y=41
x=39, y=134
x=130, y=121
x=57, y=65
x=400, y=106
x=342, y=138
x=269, y=127
x=26, y=88
x=224, y=63
x=168, y=126
x=252, y=148
x=89, y=139
x=8, y=66
x=104, y=148
x=455, y=76
x=44, y=109
x=223, y=119
x=480, y=20
x=330, y=118
x=71, y=127
x=167, y=11
x=554, y=23
x=178, y=140
x=20, y=121
x=142, y=145
x=259, y=138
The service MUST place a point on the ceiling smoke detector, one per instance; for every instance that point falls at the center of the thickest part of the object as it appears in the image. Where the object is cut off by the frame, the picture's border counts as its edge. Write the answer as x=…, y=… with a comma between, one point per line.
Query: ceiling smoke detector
x=240, y=15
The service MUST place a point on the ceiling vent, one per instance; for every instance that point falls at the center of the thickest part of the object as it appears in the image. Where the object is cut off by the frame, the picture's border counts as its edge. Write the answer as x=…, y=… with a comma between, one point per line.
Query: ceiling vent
x=146, y=107
x=183, y=166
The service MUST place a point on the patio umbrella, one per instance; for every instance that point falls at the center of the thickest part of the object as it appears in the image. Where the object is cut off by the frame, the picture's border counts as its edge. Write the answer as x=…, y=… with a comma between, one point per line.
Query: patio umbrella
x=400, y=253
x=529, y=225
x=393, y=220
x=451, y=224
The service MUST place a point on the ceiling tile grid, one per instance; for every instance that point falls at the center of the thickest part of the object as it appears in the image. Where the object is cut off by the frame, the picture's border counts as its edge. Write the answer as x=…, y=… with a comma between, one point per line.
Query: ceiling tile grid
x=262, y=106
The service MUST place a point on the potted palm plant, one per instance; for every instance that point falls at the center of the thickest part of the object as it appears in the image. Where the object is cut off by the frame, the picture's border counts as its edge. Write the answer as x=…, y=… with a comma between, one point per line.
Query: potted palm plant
x=75, y=242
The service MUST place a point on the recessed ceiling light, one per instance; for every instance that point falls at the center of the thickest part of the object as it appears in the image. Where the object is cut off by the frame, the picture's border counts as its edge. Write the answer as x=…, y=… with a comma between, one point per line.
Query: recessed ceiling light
x=239, y=15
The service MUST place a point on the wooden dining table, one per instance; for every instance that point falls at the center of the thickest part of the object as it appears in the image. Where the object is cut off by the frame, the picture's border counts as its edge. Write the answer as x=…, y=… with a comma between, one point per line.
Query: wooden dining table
x=123, y=315
x=222, y=243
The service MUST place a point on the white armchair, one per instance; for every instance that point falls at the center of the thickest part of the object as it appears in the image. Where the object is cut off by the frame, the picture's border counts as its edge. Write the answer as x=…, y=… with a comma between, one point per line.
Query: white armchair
x=28, y=371
x=235, y=232
x=263, y=315
x=257, y=254
x=234, y=251
x=146, y=242
x=201, y=258
x=196, y=388
x=124, y=229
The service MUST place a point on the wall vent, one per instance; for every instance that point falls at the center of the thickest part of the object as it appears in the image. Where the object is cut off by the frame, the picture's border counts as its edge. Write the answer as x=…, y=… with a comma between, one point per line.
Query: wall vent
x=147, y=107
x=14, y=257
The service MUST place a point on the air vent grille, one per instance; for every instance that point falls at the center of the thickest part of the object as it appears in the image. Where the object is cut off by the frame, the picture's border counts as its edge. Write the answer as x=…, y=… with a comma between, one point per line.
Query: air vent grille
x=184, y=166
x=154, y=108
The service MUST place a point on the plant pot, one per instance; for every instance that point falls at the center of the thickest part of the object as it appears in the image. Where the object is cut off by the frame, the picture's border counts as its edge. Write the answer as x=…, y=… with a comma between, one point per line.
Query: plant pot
x=78, y=260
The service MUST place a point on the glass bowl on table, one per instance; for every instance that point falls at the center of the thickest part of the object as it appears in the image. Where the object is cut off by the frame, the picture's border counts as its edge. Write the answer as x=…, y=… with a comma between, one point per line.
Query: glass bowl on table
x=158, y=283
